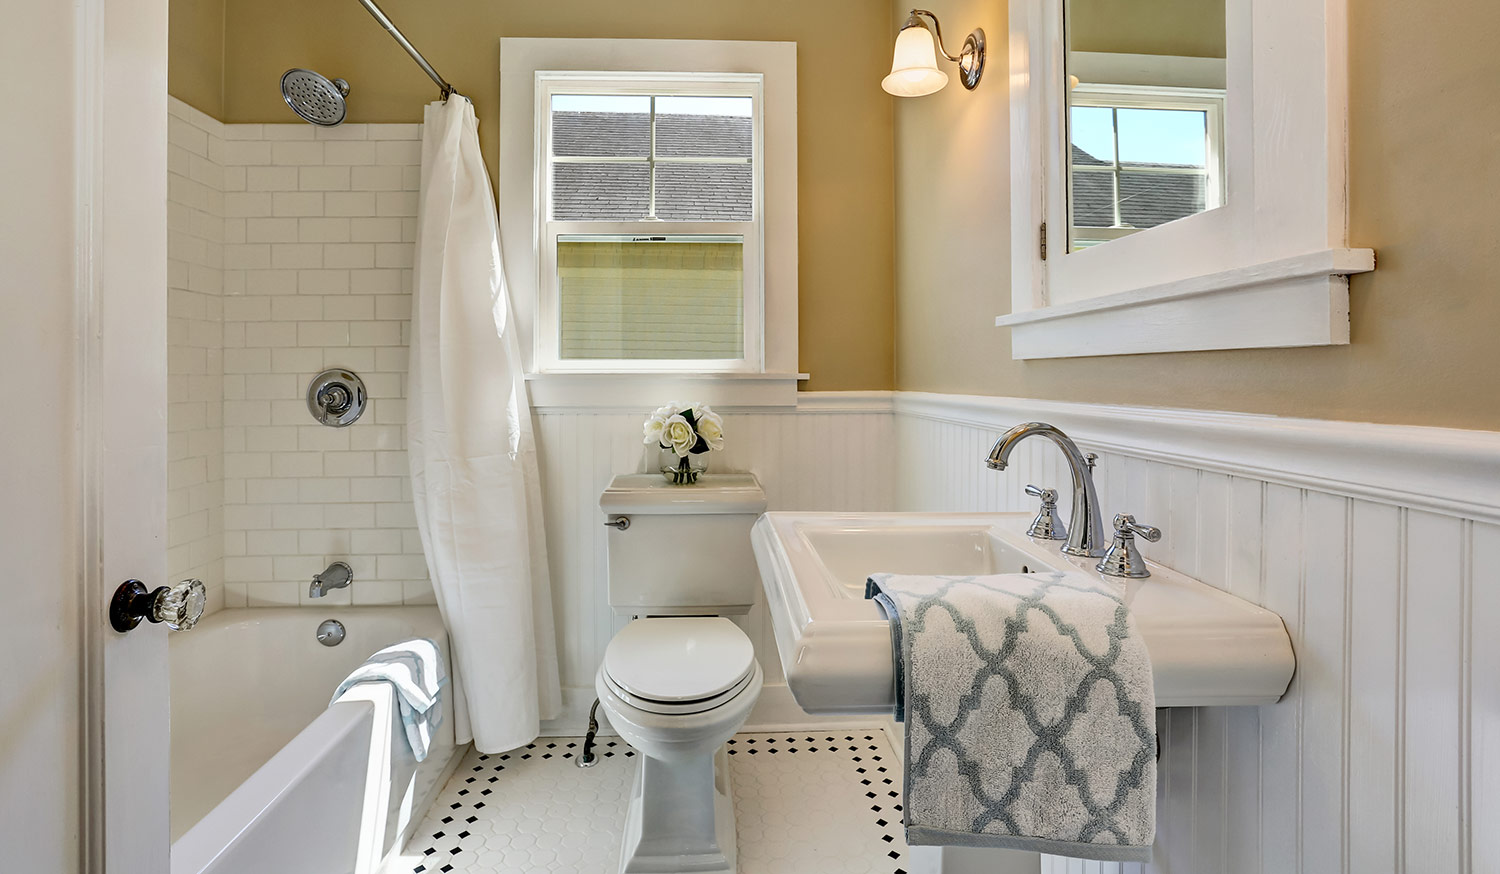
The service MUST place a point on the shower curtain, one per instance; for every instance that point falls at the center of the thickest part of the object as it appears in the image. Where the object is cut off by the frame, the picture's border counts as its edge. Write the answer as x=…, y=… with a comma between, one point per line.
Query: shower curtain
x=471, y=449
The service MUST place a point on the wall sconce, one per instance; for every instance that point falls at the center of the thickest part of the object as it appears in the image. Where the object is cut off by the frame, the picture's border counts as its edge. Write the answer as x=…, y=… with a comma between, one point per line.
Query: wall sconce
x=914, y=69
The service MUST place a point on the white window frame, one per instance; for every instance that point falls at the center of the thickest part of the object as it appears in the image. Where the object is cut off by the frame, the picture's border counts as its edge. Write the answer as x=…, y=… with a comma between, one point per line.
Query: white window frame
x=549, y=300
x=1209, y=101
x=774, y=382
x=1270, y=268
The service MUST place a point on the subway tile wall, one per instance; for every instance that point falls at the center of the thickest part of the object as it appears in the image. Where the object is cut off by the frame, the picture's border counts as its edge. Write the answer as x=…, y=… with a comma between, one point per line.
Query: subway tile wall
x=318, y=231
x=195, y=370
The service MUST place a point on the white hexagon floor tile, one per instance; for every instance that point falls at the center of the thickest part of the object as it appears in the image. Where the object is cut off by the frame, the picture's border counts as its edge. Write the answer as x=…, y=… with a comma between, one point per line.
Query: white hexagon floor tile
x=826, y=802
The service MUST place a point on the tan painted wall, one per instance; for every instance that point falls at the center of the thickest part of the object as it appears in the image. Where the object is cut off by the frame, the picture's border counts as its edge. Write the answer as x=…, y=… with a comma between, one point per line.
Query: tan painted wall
x=845, y=150
x=195, y=54
x=1424, y=178
x=1194, y=28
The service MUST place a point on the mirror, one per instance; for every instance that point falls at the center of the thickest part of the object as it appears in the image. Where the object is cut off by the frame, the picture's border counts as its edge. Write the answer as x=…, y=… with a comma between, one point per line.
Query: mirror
x=1144, y=114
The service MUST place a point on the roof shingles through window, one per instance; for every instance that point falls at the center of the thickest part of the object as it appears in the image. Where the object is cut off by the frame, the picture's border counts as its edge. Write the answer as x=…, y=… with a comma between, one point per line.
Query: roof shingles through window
x=616, y=191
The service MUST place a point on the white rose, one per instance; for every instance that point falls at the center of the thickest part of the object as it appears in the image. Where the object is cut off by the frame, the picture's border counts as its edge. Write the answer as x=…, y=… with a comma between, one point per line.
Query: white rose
x=710, y=427
x=652, y=429
x=678, y=435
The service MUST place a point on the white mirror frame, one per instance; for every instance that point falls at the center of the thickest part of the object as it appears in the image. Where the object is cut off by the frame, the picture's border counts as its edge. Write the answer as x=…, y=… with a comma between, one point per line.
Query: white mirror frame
x=1270, y=268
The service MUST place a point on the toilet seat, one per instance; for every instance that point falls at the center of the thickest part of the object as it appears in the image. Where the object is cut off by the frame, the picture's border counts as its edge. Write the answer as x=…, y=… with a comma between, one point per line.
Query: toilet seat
x=678, y=665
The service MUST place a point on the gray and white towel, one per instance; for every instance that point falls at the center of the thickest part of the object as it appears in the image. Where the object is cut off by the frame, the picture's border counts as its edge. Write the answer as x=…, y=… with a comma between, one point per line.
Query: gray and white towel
x=1029, y=714
x=414, y=668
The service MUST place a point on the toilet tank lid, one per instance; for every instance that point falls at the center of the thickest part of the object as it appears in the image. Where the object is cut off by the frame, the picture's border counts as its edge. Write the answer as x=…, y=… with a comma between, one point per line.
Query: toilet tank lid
x=714, y=493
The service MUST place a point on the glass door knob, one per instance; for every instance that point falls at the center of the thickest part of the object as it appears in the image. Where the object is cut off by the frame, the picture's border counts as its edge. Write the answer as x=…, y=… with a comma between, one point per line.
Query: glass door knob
x=179, y=607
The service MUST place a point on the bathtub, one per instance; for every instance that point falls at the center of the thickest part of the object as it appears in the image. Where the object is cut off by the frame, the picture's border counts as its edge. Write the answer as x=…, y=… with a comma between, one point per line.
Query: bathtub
x=268, y=776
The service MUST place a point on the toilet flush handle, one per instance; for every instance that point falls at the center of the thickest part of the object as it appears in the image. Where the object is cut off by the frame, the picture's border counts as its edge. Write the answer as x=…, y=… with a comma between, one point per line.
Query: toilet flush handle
x=619, y=523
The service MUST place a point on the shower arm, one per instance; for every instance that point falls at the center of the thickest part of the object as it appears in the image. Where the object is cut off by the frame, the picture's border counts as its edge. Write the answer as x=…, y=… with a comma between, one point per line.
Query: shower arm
x=400, y=37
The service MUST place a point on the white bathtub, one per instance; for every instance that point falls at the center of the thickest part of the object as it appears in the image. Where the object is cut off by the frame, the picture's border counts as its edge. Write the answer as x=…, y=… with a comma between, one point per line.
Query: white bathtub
x=266, y=775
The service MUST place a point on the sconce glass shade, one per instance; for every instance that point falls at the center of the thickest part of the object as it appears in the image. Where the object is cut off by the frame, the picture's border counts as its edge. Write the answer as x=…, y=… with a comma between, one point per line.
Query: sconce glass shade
x=914, y=69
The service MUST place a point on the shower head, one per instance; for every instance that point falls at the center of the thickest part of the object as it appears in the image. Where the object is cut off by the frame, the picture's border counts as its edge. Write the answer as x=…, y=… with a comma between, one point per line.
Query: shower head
x=315, y=98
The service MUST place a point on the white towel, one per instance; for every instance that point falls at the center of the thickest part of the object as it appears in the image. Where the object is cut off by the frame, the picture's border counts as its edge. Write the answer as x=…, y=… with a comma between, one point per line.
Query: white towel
x=1029, y=713
x=415, y=669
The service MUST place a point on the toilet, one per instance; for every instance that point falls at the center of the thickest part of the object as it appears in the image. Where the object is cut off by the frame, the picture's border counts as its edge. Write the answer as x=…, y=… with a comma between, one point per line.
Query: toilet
x=680, y=679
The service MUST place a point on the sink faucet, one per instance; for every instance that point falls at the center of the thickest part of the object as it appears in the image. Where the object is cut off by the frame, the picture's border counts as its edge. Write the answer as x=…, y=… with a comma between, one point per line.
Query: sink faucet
x=335, y=576
x=1085, y=530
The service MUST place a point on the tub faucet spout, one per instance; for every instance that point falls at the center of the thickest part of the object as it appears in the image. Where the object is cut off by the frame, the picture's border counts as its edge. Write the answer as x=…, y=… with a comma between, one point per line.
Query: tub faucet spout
x=1085, y=530
x=335, y=576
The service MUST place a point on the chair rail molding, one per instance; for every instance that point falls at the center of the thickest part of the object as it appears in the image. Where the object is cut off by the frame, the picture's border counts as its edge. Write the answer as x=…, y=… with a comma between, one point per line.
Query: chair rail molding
x=1269, y=268
x=1443, y=470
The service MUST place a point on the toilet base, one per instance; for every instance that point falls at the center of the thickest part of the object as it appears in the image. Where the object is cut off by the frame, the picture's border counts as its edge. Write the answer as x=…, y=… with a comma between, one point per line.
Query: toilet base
x=681, y=817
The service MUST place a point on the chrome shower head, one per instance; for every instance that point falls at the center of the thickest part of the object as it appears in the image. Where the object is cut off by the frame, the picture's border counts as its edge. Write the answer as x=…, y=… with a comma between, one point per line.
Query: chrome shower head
x=314, y=97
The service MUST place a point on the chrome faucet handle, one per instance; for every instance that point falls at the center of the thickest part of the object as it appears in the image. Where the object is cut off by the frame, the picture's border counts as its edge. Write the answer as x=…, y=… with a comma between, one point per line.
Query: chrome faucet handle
x=1125, y=522
x=1046, y=525
x=1048, y=496
x=1123, y=559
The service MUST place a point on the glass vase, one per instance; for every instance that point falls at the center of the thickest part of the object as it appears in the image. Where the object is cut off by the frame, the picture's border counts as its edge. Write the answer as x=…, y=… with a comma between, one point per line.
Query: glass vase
x=683, y=471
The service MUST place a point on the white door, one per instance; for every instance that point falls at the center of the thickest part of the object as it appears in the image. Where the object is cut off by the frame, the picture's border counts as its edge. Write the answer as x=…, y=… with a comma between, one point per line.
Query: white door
x=83, y=709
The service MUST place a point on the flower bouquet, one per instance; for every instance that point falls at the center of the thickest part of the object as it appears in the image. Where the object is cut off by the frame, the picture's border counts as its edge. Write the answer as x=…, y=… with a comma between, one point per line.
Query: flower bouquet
x=685, y=434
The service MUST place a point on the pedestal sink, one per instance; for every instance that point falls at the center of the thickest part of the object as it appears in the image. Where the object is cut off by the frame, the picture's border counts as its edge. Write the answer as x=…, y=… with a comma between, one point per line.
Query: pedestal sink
x=1207, y=646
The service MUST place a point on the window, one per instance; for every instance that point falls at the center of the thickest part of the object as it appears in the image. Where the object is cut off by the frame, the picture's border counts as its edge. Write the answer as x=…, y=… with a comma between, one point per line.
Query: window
x=650, y=222
x=1141, y=157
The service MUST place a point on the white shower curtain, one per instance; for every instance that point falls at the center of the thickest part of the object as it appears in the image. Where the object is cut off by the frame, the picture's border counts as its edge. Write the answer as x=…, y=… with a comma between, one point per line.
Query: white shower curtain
x=472, y=453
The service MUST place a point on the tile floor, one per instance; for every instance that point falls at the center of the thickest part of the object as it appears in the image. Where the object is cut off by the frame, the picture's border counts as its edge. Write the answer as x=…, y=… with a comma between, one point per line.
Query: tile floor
x=805, y=802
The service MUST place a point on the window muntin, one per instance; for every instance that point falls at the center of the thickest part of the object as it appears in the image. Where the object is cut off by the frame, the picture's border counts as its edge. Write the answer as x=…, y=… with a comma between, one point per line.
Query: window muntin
x=643, y=177
x=1141, y=157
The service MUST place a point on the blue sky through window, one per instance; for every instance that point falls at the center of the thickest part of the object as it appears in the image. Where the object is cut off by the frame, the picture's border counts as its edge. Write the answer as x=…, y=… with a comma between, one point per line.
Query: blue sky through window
x=1161, y=136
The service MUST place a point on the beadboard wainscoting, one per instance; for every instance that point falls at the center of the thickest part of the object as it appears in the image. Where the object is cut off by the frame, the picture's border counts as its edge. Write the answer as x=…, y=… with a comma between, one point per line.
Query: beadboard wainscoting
x=1378, y=545
x=832, y=452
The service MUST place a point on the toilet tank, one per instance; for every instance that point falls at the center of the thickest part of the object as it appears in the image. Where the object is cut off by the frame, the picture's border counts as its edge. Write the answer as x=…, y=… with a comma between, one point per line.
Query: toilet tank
x=686, y=550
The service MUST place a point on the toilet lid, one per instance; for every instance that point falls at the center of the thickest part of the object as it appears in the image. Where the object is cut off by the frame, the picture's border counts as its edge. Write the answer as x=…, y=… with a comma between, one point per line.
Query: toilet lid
x=680, y=658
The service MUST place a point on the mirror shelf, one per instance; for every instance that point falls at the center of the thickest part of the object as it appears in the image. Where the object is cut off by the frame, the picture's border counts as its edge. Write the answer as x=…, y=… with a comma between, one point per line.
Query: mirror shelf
x=1291, y=302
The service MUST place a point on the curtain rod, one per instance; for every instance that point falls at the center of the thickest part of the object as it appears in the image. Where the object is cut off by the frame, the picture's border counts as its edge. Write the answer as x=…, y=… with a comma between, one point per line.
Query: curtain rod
x=400, y=37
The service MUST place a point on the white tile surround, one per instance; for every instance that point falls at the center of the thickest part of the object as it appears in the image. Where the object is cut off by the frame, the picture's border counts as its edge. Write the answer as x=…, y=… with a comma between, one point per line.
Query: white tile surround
x=195, y=345
x=1378, y=545
x=318, y=240
x=313, y=228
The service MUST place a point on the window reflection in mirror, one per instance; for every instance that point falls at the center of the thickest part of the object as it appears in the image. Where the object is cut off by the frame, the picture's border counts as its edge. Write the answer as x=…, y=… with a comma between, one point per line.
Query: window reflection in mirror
x=1144, y=115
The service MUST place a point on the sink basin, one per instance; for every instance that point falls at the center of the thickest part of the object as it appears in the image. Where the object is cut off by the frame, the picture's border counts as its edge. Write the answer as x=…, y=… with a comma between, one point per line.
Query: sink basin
x=1207, y=647
x=850, y=553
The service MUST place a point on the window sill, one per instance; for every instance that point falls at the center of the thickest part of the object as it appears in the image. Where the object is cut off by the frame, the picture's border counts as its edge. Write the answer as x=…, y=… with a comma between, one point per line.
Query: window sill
x=637, y=392
x=1300, y=301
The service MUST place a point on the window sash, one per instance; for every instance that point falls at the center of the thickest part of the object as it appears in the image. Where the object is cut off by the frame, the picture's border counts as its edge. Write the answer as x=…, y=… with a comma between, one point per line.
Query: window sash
x=549, y=339
x=1209, y=101
x=548, y=324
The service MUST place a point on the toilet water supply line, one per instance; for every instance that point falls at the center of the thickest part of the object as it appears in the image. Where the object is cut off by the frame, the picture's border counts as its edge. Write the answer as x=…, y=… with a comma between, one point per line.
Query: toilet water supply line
x=587, y=759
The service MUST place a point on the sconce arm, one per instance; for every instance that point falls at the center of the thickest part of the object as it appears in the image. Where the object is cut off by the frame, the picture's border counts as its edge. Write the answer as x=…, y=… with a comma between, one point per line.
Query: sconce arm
x=937, y=31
